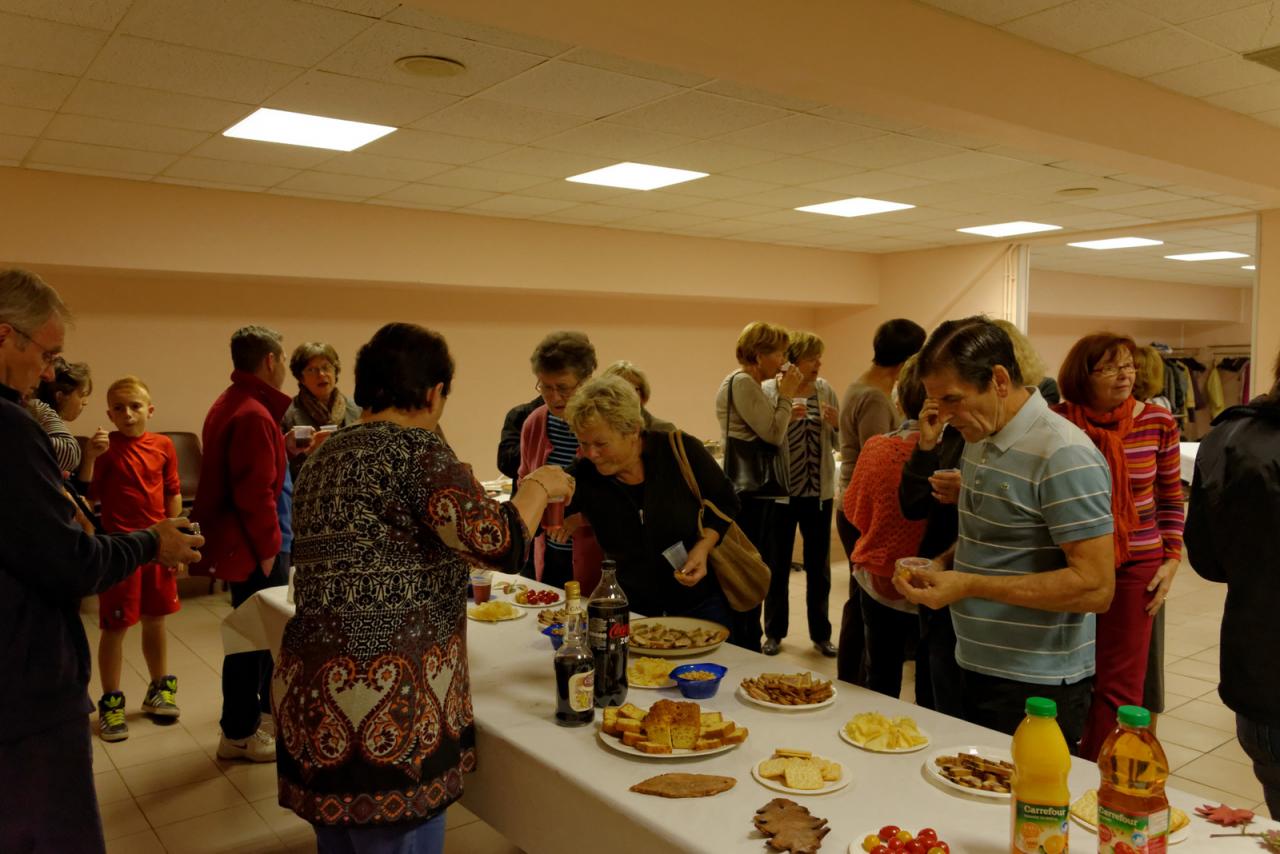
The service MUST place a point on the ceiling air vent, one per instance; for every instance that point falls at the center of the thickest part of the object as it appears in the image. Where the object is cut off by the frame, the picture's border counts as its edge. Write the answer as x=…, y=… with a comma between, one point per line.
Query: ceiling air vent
x=1268, y=56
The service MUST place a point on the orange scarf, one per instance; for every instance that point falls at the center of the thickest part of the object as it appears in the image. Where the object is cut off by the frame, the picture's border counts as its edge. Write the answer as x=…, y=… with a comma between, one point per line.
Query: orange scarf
x=1107, y=430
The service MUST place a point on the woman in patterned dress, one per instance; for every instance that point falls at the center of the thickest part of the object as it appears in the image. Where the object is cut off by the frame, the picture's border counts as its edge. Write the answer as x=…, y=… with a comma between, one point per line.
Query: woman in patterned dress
x=371, y=692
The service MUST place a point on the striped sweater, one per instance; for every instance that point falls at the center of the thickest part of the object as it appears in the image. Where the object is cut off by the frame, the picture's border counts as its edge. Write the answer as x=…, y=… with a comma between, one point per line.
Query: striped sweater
x=1155, y=476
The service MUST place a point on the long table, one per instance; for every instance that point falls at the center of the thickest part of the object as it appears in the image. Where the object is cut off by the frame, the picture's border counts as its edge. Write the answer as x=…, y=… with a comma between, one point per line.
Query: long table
x=548, y=788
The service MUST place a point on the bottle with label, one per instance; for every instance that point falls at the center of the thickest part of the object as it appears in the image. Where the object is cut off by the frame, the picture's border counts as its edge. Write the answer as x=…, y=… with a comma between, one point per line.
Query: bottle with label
x=1133, y=812
x=572, y=597
x=1040, y=798
x=575, y=675
x=609, y=634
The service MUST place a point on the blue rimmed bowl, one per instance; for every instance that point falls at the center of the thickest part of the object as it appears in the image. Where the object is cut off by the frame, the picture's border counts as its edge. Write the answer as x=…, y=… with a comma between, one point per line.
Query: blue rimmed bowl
x=555, y=633
x=698, y=689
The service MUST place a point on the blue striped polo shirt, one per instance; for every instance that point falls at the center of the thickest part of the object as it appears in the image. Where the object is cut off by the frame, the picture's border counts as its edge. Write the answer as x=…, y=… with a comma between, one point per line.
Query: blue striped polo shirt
x=564, y=450
x=1036, y=484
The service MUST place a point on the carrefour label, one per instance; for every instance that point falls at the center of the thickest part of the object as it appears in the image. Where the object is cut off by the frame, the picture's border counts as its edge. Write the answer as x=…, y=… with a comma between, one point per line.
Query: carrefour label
x=1122, y=833
x=1039, y=829
x=582, y=690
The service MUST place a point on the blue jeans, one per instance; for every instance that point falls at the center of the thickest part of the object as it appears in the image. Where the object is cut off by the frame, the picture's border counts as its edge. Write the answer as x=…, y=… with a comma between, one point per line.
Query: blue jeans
x=425, y=837
x=714, y=608
x=1262, y=743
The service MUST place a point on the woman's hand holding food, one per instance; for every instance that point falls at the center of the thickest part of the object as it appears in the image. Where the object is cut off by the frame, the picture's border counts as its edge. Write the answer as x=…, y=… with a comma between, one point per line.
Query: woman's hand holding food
x=789, y=381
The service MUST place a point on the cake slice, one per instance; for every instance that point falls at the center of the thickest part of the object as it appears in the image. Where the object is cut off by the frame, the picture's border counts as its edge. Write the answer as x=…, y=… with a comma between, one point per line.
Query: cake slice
x=686, y=725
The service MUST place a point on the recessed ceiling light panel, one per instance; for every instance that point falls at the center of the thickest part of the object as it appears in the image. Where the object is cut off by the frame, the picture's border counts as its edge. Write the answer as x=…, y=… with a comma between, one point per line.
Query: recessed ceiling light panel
x=857, y=206
x=636, y=176
x=1117, y=243
x=302, y=129
x=1249, y=267
x=1009, y=229
x=1206, y=256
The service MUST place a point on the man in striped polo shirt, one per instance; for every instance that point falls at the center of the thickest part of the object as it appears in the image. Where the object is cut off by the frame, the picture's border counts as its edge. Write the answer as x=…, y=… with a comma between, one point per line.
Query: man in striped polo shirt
x=1034, y=559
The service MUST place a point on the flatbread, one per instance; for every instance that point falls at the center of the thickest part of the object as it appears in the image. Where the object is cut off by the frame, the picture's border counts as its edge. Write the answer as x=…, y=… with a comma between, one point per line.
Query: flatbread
x=1086, y=809
x=684, y=785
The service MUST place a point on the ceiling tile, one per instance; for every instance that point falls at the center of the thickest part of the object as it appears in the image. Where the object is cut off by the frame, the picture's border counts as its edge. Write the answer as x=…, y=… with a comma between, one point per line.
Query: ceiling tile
x=793, y=170
x=1181, y=11
x=274, y=30
x=727, y=210
x=309, y=194
x=622, y=65
x=871, y=184
x=1254, y=99
x=54, y=153
x=700, y=115
x=666, y=220
x=14, y=148
x=595, y=213
x=372, y=55
x=437, y=147
x=191, y=71
x=892, y=149
x=357, y=99
x=1181, y=209
x=258, y=175
x=423, y=19
x=70, y=128
x=731, y=89
x=1152, y=53
x=1085, y=167
x=947, y=137
x=445, y=197
x=270, y=153
x=577, y=193
x=95, y=14
x=653, y=200
x=1020, y=154
x=709, y=155
x=541, y=161
x=375, y=166
x=854, y=117
x=39, y=90
x=1101, y=219
x=48, y=46
x=720, y=187
x=579, y=90
x=1271, y=117
x=1082, y=24
x=368, y=8
x=151, y=106
x=800, y=134
x=606, y=139
x=517, y=204
x=206, y=184
x=788, y=198
x=993, y=12
x=1239, y=30
x=84, y=170
x=22, y=121
x=722, y=227
x=484, y=179
x=1214, y=77
x=341, y=185
x=481, y=119
x=970, y=164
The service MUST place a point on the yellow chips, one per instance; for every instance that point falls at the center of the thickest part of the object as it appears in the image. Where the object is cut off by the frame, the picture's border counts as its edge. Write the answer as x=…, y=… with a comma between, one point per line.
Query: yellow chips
x=493, y=611
x=649, y=672
x=874, y=731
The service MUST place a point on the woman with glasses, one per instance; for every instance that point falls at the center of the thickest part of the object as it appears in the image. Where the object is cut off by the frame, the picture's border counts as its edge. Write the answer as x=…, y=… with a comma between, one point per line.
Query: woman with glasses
x=1140, y=442
x=319, y=401
x=561, y=363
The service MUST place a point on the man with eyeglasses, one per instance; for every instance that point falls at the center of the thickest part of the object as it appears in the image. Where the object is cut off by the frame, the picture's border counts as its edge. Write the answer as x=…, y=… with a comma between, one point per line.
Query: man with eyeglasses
x=48, y=561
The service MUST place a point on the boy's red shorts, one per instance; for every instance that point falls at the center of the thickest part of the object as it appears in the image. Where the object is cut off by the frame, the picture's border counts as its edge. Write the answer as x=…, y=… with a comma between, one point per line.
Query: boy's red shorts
x=152, y=591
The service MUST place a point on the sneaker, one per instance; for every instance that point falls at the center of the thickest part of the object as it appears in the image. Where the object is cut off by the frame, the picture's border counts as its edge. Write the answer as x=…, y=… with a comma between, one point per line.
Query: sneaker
x=267, y=724
x=159, y=700
x=111, y=723
x=258, y=747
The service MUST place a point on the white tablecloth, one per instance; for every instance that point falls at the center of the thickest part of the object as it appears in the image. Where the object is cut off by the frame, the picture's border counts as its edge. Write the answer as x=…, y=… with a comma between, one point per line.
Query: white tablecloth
x=547, y=788
x=1189, y=450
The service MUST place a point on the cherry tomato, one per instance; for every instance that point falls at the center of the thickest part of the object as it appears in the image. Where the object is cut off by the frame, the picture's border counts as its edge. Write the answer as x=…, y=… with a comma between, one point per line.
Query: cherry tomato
x=888, y=832
x=880, y=849
x=945, y=848
x=916, y=846
x=905, y=836
x=870, y=842
x=896, y=844
x=936, y=850
x=928, y=835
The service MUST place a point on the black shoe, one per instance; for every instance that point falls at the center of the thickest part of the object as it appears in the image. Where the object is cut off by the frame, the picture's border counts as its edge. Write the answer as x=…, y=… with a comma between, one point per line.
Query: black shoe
x=772, y=646
x=825, y=647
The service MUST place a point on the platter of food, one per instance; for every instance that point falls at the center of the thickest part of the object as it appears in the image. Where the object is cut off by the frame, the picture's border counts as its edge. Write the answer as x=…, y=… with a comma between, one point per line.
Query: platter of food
x=650, y=673
x=879, y=734
x=676, y=636
x=494, y=611
x=788, y=692
x=1084, y=812
x=537, y=598
x=799, y=772
x=669, y=729
x=881, y=840
x=551, y=616
x=985, y=772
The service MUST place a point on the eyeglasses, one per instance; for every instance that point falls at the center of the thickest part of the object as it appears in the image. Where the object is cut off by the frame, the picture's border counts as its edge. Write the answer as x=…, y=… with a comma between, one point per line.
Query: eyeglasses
x=561, y=390
x=46, y=354
x=1112, y=371
x=316, y=370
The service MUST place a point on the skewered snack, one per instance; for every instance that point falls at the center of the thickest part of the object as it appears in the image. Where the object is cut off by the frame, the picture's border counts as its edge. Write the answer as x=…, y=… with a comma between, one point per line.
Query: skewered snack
x=976, y=772
x=788, y=689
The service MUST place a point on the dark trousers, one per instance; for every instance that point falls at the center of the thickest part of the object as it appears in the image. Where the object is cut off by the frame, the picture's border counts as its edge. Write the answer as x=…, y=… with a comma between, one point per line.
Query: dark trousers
x=557, y=567
x=851, y=661
x=50, y=803
x=1000, y=704
x=813, y=516
x=758, y=519
x=246, y=676
x=938, y=647
x=1262, y=743
x=889, y=633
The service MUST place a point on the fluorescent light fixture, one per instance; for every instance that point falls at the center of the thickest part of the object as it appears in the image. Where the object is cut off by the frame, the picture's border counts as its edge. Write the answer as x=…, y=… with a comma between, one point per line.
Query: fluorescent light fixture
x=1249, y=267
x=636, y=176
x=302, y=129
x=1207, y=256
x=857, y=206
x=1117, y=243
x=1009, y=229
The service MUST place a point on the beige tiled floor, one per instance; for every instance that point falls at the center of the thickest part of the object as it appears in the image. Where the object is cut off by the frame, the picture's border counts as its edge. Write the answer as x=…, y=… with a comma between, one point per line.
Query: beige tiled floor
x=163, y=790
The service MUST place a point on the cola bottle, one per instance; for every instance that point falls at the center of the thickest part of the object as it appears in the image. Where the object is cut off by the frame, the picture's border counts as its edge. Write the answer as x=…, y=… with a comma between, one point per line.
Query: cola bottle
x=575, y=675
x=608, y=633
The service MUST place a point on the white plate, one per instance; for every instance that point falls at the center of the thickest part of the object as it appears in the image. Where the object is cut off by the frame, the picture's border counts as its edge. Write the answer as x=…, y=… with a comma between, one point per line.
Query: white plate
x=779, y=786
x=844, y=735
x=780, y=707
x=517, y=615
x=932, y=771
x=676, y=753
x=684, y=623
x=1182, y=835
x=670, y=683
x=554, y=604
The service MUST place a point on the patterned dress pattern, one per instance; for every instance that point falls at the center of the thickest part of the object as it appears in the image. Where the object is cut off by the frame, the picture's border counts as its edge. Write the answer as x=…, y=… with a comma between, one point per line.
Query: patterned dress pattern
x=371, y=693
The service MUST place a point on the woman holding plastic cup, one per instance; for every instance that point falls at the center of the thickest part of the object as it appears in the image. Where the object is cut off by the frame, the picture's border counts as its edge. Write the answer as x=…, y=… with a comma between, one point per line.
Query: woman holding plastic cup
x=320, y=407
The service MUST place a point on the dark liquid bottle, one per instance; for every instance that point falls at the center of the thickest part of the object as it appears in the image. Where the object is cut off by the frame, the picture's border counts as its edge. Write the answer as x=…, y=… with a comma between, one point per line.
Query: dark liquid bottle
x=608, y=633
x=575, y=676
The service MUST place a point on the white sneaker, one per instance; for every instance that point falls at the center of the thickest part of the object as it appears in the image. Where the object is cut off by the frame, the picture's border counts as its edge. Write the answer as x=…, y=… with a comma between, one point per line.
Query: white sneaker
x=258, y=747
x=267, y=724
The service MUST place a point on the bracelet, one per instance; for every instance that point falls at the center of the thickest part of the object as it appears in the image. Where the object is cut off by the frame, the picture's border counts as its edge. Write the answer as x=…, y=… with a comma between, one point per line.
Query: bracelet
x=532, y=479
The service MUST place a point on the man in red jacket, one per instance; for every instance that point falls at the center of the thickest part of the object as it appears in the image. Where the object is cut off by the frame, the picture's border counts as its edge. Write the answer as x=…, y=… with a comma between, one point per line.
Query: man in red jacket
x=240, y=482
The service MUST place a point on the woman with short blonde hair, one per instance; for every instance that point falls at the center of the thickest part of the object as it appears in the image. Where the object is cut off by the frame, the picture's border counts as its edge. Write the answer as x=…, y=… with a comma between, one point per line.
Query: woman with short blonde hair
x=608, y=399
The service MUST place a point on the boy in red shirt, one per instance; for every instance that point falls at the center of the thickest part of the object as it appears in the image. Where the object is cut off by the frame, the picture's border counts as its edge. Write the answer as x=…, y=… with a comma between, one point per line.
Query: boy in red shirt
x=135, y=476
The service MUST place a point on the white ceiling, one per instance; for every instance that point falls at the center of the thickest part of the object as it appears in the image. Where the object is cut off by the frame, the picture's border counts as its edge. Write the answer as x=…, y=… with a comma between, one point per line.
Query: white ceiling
x=1148, y=262
x=141, y=89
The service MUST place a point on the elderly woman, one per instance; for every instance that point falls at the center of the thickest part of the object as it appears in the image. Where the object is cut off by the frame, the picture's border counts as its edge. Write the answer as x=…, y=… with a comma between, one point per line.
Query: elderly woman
x=561, y=362
x=386, y=522
x=631, y=487
x=637, y=379
x=811, y=486
x=747, y=414
x=319, y=402
x=57, y=403
x=1140, y=443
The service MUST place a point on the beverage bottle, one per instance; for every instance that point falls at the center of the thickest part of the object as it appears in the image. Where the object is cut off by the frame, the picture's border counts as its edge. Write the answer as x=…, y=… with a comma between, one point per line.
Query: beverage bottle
x=572, y=598
x=1040, y=798
x=608, y=633
x=575, y=675
x=1133, y=812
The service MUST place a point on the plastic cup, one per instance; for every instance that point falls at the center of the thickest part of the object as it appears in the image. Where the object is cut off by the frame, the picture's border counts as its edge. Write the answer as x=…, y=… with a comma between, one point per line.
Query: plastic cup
x=303, y=435
x=328, y=428
x=553, y=516
x=481, y=586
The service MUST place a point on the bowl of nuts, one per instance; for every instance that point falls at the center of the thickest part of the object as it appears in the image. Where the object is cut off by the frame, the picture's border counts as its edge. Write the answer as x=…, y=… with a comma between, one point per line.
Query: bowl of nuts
x=699, y=681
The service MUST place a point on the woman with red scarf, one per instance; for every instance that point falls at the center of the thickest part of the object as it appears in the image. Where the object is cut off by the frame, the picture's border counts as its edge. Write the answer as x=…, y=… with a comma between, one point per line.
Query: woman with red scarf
x=1140, y=442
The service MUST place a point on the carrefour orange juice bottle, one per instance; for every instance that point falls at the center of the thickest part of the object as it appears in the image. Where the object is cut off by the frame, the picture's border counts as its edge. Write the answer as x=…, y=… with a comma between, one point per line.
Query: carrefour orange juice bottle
x=1133, y=812
x=1040, y=799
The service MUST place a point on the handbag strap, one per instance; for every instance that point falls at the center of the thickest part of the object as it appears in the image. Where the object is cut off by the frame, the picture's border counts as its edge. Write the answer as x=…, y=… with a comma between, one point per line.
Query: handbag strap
x=728, y=406
x=682, y=459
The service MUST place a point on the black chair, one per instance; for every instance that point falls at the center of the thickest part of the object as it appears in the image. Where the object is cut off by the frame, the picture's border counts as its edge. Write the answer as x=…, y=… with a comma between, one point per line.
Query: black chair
x=190, y=458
